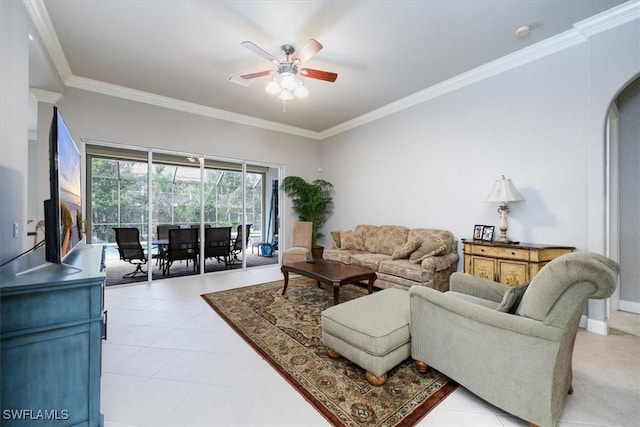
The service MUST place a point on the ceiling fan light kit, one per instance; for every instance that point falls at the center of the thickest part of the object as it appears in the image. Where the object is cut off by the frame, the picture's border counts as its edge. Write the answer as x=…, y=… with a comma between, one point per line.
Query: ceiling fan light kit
x=286, y=81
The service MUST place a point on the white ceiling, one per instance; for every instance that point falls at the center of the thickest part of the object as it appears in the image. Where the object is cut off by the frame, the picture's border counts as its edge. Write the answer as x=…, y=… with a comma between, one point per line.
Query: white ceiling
x=181, y=52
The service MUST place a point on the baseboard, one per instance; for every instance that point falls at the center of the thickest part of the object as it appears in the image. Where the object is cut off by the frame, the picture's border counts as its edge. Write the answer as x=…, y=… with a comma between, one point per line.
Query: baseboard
x=629, y=306
x=597, y=327
x=583, y=322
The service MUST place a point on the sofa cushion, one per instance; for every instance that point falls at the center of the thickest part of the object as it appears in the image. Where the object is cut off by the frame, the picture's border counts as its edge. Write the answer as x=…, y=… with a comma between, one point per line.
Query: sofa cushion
x=391, y=237
x=444, y=236
x=473, y=299
x=431, y=246
x=368, y=260
x=511, y=299
x=405, y=250
x=369, y=235
x=403, y=268
x=351, y=240
x=340, y=255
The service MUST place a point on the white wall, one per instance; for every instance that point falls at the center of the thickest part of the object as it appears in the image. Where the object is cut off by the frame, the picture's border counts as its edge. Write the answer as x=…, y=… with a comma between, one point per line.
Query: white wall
x=541, y=124
x=434, y=165
x=614, y=60
x=629, y=119
x=14, y=108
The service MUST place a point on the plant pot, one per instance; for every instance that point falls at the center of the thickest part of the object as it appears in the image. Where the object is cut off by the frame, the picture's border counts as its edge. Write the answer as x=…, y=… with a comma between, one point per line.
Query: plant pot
x=317, y=251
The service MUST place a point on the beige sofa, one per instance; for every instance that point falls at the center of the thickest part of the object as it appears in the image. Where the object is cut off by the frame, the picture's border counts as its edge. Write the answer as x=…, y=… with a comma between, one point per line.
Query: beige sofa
x=402, y=257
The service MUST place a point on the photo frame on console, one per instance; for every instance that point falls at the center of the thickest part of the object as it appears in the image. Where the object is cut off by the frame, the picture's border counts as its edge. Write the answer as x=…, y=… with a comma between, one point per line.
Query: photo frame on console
x=487, y=233
x=477, y=232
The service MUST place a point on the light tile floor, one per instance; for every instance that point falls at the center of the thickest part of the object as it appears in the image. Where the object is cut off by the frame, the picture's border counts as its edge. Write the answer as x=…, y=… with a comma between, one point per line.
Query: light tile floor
x=171, y=361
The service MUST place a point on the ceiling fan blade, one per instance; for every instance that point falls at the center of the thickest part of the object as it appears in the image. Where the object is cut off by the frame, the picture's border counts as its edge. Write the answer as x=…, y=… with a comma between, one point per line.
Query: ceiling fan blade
x=318, y=74
x=307, y=51
x=255, y=49
x=256, y=75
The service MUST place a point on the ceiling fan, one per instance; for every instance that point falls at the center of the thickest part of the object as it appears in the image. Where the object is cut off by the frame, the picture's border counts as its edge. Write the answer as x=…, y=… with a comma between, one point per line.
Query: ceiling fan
x=285, y=80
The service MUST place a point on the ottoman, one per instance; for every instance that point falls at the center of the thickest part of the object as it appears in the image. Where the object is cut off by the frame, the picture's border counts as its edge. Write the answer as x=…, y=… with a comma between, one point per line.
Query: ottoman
x=371, y=331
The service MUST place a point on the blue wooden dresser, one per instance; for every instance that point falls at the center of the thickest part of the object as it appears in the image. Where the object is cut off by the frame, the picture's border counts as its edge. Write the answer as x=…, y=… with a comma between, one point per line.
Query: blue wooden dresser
x=51, y=330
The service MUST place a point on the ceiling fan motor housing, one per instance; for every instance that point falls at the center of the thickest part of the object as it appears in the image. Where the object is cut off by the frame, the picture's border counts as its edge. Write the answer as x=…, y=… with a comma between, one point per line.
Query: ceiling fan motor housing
x=287, y=50
x=287, y=67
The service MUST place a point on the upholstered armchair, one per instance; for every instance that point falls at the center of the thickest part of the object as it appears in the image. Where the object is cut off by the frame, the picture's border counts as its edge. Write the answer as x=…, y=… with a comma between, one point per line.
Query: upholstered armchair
x=300, y=249
x=514, y=353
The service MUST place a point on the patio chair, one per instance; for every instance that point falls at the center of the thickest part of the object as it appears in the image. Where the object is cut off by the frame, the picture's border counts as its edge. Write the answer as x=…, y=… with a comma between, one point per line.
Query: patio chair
x=217, y=241
x=162, y=242
x=130, y=249
x=183, y=245
x=236, y=246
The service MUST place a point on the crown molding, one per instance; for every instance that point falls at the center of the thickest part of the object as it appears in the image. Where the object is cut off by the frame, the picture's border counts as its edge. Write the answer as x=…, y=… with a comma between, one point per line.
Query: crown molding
x=45, y=95
x=609, y=19
x=604, y=21
x=40, y=17
x=184, y=106
x=529, y=54
x=580, y=32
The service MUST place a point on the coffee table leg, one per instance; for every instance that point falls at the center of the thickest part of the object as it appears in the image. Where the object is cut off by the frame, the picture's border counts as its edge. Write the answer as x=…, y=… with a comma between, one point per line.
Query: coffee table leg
x=336, y=293
x=370, y=287
x=286, y=281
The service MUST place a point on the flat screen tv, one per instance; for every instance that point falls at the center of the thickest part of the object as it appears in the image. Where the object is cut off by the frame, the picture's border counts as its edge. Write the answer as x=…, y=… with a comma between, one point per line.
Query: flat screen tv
x=63, y=211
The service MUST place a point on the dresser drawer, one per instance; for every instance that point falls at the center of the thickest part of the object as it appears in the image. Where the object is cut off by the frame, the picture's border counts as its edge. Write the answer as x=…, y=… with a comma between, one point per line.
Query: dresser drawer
x=508, y=264
x=498, y=252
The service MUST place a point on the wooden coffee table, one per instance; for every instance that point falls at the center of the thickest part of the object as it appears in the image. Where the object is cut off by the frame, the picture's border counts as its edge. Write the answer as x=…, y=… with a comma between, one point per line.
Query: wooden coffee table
x=332, y=273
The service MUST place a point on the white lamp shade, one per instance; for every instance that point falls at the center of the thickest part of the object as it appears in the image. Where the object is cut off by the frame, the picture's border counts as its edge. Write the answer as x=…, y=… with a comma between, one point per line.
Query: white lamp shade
x=288, y=81
x=285, y=95
x=301, y=91
x=504, y=191
x=273, y=87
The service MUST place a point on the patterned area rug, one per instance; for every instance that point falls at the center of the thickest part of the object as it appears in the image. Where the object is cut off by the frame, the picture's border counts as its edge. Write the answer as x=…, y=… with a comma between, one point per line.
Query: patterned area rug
x=286, y=331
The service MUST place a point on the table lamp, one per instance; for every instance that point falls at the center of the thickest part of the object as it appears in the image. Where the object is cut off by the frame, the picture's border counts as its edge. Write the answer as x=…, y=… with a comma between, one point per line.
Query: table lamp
x=504, y=192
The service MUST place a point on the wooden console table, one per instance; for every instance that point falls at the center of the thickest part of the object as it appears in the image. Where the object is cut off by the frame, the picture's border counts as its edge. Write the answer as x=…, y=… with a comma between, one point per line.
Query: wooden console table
x=52, y=323
x=510, y=264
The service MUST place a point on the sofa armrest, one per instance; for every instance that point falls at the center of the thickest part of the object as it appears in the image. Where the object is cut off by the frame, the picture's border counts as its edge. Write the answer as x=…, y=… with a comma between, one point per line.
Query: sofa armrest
x=439, y=263
x=477, y=287
x=423, y=300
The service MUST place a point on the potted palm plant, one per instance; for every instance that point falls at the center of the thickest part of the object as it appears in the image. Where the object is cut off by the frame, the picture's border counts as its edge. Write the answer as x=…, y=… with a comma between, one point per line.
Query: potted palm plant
x=312, y=201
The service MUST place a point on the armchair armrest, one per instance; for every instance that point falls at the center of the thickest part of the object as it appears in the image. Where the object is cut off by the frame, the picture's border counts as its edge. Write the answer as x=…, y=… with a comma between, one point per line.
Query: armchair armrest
x=478, y=287
x=423, y=299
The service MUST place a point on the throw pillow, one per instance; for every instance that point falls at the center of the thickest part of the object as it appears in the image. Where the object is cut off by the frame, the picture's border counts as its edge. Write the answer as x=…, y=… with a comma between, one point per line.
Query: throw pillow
x=429, y=247
x=405, y=250
x=351, y=240
x=335, y=239
x=511, y=299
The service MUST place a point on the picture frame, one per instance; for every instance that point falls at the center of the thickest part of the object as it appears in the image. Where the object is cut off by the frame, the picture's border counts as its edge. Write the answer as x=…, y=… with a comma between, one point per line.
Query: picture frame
x=487, y=233
x=477, y=232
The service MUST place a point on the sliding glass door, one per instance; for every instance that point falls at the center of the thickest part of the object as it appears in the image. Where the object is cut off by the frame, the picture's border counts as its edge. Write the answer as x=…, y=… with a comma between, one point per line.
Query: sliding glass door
x=186, y=192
